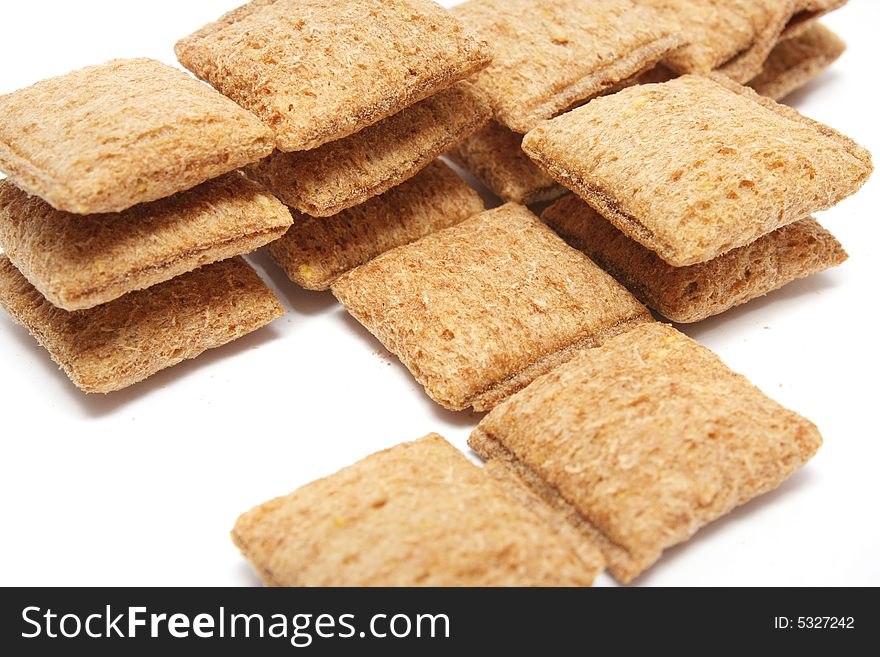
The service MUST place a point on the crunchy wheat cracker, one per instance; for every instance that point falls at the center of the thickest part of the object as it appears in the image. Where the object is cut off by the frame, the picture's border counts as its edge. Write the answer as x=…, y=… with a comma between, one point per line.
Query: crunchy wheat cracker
x=795, y=62
x=690, y=294
x=120, y=343
x=320, y=70
x=642, y=441
x=107, y=137
x=478, y=310
x=79, y=262
x=350, y=171
x=418, y=514
x=495, y=157
x=318, y=250
x=735, y=37
x=696, y=167
x=548, y=56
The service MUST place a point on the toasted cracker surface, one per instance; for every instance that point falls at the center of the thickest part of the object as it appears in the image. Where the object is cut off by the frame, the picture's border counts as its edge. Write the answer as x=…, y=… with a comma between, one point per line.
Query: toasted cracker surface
x=320, y=70
x=418, y=514
x=79, y=262
x=478, y=310
x=120, y=343
x=735, y=37
x=317, y=250
x=549, y=55
x=107, y=137
x=690, y=294
x=695, y=167
x=795, y=62
x=643, y=441
x=495, y=157
x=350, y=171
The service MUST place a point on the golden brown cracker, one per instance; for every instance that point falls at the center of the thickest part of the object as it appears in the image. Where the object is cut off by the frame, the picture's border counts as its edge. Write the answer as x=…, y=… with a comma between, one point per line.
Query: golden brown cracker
x=478, y=310
x=120, y=343
x=317, y=250
x=418, y=514
x=350, y=171
x=795, y=62
x=548, y=56
x=643, y=441
x=495, y=157
x=107, y=137
x=696, y=167
x=690, y=294
x=79, y=262
x=735, y=37
x=320, y=70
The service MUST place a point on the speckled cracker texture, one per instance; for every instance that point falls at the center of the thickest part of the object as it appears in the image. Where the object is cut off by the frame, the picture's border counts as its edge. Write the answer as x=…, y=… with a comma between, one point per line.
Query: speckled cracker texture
x=548, y=56
x=418, y=514
x=350, y=171
x=645, y=440
x=735, y=37
x=478, y=310
x=320, y=70
x=495, y=157
x=120, y=343
x=317, y=250
x=79, y=262
x=696, y=167
x=107, y=137
x=690, y=294
x=795, y=62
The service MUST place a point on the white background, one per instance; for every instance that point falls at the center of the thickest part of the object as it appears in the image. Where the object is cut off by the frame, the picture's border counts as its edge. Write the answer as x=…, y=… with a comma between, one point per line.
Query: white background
x=142, y=487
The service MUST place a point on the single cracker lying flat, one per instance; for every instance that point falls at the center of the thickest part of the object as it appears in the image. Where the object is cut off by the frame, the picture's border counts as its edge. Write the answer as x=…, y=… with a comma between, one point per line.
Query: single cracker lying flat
x=318, y=250
x=418, y=514
x=495, y=157
x=79, y=262
x=735, y=37
x=350, y=171
x=690, y=294
x=108, y=137
x=795, y=62
x=643, y=441
x=478, y=310
x=120, y=343
x=550, y=55
x=320, y=70
x=695, y=167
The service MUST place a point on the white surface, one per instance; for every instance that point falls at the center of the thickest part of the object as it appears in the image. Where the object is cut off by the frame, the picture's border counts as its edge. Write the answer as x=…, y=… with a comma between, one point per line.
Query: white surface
x=142, y=487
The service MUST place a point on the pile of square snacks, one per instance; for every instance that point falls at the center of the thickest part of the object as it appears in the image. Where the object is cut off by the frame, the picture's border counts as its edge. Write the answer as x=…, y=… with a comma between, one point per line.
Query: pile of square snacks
x=550, y=57
x=611, y=437
x=125, y=208
x=363, y=97
x=123, y=217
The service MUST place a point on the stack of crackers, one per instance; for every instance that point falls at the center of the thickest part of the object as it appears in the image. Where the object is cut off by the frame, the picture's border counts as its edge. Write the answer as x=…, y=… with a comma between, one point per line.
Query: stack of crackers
x=611, y=436
x=362, y=97
x=122, y=218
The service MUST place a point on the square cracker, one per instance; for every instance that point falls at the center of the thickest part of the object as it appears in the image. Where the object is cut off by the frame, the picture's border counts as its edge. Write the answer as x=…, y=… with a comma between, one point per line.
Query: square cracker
x=495, y=157
x=735, y=37
x=695, y=167
x=548, y=56
x=418, y=514
x=350, y=171
x=318, y=250
x=107, y=137
x=79, y=262
x=320, y=70
x=643, y=441
x=795, y=62
x=690, y=294
x=116, y=345
x=478, y=310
